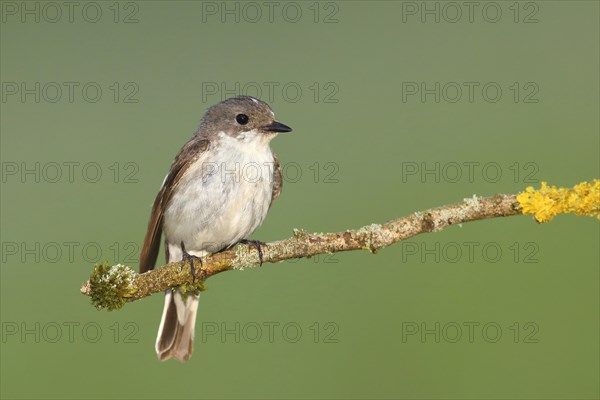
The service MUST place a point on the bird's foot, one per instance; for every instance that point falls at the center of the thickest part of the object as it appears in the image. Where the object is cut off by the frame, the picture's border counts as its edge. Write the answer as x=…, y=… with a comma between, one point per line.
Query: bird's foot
x=187, y=257
x=257, y=244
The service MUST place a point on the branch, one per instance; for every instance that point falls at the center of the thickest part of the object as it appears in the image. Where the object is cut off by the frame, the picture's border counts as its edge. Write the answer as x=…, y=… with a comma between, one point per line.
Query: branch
x=112, y=287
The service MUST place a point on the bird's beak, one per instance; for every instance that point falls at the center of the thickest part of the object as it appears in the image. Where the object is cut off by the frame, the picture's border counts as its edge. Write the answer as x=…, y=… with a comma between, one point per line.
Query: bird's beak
x=276, y=127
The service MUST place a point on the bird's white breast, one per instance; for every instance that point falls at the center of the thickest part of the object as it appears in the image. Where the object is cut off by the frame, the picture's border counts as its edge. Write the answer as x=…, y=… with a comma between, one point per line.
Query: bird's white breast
x=222, y=197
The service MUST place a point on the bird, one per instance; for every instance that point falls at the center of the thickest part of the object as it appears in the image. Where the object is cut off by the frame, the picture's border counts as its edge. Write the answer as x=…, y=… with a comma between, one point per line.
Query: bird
x=218, y=191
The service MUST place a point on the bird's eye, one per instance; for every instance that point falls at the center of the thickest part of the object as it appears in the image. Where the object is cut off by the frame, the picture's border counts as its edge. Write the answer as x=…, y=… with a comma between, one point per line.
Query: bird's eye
x=241, y=119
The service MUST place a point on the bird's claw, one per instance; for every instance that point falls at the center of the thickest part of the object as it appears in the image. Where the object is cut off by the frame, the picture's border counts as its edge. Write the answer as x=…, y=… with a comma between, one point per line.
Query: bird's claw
x=257, y=244
x=187, y=257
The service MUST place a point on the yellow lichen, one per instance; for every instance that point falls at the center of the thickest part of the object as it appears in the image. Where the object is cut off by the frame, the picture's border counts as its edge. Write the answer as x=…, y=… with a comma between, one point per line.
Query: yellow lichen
x=548, y=201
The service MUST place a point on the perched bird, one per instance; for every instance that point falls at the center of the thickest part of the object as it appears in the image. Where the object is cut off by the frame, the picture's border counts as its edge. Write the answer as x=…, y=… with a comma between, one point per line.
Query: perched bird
x=217, y=192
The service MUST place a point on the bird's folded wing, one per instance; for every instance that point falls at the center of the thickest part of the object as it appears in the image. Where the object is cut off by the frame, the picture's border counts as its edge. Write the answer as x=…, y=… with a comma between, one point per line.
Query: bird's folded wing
x=186, y=157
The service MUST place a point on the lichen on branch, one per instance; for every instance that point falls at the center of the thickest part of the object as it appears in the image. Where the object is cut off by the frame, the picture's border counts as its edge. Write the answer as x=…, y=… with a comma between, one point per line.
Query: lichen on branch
x=549, y=201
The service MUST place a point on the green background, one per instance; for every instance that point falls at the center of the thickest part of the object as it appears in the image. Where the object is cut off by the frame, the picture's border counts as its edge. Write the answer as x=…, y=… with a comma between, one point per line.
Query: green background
x=368, y=135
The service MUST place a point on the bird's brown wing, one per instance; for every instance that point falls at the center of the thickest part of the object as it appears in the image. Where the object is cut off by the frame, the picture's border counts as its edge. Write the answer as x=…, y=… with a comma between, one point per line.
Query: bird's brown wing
x=277, y=179
x=188, y=154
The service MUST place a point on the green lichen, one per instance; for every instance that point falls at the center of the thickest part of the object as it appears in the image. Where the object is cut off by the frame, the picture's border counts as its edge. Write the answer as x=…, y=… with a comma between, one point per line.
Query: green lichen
x=111, y=286
x=192, y=288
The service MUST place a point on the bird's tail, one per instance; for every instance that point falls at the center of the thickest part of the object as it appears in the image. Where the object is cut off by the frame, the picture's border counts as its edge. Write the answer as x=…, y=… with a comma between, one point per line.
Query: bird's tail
x=176, y=331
